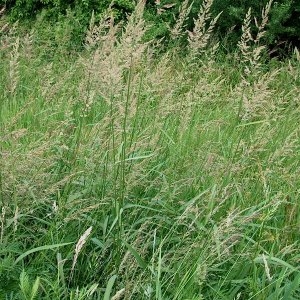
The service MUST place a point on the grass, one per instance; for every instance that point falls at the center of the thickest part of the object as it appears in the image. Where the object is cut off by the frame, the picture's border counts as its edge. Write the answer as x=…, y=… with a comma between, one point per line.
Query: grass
x=130, y=175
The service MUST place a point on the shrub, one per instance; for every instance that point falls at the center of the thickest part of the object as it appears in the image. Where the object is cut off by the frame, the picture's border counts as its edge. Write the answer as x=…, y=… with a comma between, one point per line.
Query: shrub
x=282, y=32
x=283, y=28
x=29, y=8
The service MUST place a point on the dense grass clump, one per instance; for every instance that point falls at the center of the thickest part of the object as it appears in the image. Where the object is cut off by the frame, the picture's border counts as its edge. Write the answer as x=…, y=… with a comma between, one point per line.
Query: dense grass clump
x=131, y=175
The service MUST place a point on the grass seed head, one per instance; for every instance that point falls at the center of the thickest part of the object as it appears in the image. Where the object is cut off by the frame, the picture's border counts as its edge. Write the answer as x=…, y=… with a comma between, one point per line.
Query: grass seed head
x=82, y=240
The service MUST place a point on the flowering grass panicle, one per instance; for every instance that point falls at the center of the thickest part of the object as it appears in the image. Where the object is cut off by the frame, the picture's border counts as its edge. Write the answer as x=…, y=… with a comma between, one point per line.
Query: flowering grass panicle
x=82, y=240
x=203, y=28
x=14, y=73
x=178, y=29
x=250, y=46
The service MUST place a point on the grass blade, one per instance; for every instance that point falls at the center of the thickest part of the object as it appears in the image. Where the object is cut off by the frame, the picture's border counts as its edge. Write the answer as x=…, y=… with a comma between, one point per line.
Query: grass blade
x=41, y=248
x=138, y=258
x=109, y=287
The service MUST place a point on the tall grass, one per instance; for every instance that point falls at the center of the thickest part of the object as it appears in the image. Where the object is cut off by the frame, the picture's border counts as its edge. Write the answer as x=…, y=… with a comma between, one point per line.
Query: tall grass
x=131, y=175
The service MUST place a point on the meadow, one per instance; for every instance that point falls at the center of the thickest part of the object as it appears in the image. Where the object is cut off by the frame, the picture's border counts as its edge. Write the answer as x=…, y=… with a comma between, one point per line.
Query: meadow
x=131, y=172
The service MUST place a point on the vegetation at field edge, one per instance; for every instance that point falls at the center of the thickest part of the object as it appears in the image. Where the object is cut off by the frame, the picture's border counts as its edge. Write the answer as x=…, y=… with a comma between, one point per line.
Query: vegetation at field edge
x=131, y=174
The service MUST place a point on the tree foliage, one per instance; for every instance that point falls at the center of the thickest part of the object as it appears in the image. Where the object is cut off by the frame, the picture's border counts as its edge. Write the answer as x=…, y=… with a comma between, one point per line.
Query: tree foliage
x=283, y=27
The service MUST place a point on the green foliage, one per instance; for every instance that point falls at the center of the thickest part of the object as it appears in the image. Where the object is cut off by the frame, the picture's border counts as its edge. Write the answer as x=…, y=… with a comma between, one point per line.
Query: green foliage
x=186, y=170
x=29, y=8
x=78, y=15
x=284, y=20
x=283, y=27
x=29, y=290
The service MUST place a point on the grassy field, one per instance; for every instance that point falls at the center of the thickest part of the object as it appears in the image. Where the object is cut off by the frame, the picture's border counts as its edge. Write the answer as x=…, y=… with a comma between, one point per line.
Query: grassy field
x=128, y=174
